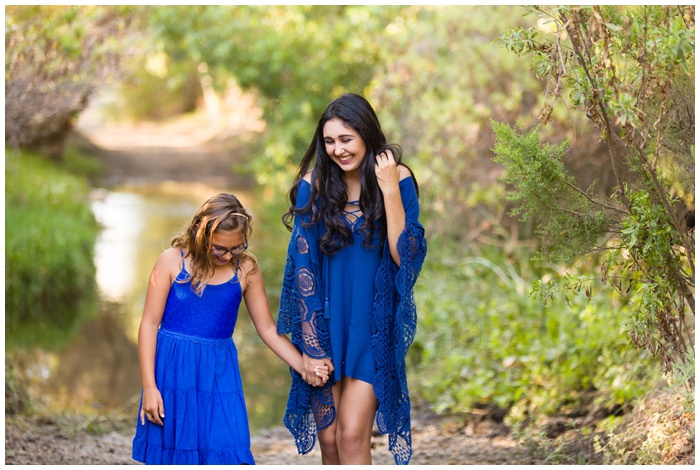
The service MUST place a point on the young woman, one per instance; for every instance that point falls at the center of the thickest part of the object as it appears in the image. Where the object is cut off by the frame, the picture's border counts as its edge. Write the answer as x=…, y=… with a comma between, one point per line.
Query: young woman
x=192, y=406
x=347, y=299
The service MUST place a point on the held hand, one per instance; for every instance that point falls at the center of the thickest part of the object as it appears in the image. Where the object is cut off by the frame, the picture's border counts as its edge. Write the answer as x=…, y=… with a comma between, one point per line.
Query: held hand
x=315, y=372
x=152, y=408
x=322, y=374
x=387, y=171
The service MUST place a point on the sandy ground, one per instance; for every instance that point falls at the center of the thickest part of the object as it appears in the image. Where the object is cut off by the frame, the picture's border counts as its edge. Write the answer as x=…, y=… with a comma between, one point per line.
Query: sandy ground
x=436, y=441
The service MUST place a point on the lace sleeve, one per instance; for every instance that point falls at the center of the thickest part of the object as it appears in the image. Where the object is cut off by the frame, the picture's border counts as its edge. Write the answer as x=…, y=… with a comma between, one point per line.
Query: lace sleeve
x=302, y=306
x=301, y=301
x=393, y=330
x=302, y=313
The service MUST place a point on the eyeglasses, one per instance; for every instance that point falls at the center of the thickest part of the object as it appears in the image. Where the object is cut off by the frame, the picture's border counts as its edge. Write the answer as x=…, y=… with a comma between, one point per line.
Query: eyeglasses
x=236, y=250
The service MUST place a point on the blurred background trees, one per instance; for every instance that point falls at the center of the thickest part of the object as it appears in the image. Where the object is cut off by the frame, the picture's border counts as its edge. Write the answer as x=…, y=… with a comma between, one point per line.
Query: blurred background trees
x=55, y=59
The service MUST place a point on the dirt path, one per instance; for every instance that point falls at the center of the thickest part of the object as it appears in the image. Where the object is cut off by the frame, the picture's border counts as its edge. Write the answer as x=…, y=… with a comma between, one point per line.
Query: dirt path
x=182, y=152
x=436, y=441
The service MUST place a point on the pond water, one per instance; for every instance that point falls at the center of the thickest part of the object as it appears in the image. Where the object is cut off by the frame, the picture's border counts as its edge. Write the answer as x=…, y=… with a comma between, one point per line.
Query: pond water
x=98, y=371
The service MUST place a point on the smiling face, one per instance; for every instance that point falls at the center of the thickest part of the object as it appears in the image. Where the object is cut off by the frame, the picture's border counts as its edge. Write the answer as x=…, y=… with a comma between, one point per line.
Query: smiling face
x=345, y=146
x=223, y=242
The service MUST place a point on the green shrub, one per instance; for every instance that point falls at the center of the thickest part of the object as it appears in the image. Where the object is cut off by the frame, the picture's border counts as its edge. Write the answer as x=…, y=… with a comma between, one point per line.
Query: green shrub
x=49, y=242
x=489, y=337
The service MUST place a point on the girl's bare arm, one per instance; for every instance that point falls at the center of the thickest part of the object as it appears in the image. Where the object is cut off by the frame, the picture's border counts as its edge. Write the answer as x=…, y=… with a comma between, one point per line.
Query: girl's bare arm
x=259, y=309
x=156, y=297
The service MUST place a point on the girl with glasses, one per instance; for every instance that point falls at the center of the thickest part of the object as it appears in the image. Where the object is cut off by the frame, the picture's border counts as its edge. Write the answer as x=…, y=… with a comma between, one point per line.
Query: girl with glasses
x=192, y=406
x=347, y=299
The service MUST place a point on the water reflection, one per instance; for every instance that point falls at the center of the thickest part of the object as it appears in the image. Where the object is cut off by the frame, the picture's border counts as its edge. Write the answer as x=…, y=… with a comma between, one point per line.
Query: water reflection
x=98, y=370
x=122, y=218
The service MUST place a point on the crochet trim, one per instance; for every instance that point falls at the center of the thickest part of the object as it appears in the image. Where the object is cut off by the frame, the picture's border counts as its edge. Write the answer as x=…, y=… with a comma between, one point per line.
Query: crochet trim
x=311, y=409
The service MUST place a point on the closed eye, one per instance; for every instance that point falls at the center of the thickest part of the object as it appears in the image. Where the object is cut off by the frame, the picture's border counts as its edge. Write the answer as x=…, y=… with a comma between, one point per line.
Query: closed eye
x=343, y=139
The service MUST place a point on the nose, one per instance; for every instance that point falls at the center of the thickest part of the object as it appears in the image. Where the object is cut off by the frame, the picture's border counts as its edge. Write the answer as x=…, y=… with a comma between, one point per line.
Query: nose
x=338, y=150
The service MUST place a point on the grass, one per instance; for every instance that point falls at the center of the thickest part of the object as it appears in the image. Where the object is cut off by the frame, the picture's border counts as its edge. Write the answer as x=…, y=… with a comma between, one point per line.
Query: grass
x=49, y=241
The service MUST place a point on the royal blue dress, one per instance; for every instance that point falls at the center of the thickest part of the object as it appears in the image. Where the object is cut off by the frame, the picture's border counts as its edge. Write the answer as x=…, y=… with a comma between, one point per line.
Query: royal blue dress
x=198, y=376
x=350, y=278
x=350, y=275
x=357, y=307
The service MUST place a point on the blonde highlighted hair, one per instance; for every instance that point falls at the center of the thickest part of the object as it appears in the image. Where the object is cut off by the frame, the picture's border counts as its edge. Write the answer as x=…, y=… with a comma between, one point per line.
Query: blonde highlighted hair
x=222, y=212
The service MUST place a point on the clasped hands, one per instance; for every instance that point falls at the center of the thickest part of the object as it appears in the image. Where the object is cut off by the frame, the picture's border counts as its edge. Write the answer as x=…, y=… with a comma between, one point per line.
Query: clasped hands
x=315, y=372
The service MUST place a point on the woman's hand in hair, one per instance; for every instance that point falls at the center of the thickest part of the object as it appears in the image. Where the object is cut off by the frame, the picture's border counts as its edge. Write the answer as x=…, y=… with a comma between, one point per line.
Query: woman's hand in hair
x=387, y=172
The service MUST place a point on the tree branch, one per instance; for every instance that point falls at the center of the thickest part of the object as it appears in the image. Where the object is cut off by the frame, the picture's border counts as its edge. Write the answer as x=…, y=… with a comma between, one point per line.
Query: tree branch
x=617, y=148
x=669, y=209
x=587, y=196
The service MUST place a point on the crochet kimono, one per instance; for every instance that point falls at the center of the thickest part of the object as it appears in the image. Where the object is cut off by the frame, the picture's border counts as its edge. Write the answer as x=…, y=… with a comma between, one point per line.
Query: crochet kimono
x=304, y=312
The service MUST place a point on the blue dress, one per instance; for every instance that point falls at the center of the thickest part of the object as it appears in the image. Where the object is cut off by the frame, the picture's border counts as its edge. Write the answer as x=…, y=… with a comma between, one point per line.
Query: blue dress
x=357, y=307
x=198, y=376
x=349, y=276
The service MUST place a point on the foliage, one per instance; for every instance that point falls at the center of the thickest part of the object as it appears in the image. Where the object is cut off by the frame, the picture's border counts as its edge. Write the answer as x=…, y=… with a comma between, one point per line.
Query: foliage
x=49, y=270
x=629, y=69
x=55, y=56
x=154, y=89
x=442, y=78
x=649, y=261
x=483, y=341
x=570, y=220
x=81, y=164
x=295, y=58
x=679, y=382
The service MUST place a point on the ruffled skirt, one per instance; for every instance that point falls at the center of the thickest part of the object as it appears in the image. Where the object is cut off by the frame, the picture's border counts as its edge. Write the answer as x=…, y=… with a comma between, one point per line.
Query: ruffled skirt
x=206, y=421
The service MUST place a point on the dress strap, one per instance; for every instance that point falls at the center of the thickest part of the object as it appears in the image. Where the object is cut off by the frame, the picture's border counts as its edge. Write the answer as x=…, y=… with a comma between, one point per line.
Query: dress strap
x=183, y=275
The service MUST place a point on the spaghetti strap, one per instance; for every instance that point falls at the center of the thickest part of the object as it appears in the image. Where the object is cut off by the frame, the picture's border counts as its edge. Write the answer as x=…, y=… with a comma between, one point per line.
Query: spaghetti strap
x=184, y=274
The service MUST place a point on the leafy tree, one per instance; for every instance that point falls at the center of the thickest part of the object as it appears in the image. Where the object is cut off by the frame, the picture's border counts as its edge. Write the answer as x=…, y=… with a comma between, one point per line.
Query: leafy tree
x=442, y=77
x=55, y=57
x=295, y=58
x=631, y=71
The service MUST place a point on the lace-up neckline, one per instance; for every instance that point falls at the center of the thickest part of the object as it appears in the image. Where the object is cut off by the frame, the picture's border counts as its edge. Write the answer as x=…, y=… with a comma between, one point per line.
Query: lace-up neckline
x=352, y=216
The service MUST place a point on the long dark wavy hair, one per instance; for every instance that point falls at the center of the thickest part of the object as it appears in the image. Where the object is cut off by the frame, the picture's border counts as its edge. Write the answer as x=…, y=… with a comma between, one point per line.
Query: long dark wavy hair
x=328, y=188
x=221, y=212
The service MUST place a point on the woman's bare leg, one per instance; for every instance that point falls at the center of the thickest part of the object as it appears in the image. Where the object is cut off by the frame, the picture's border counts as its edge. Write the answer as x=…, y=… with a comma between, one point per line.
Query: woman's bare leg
x=356, y=407
x=327, y=437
